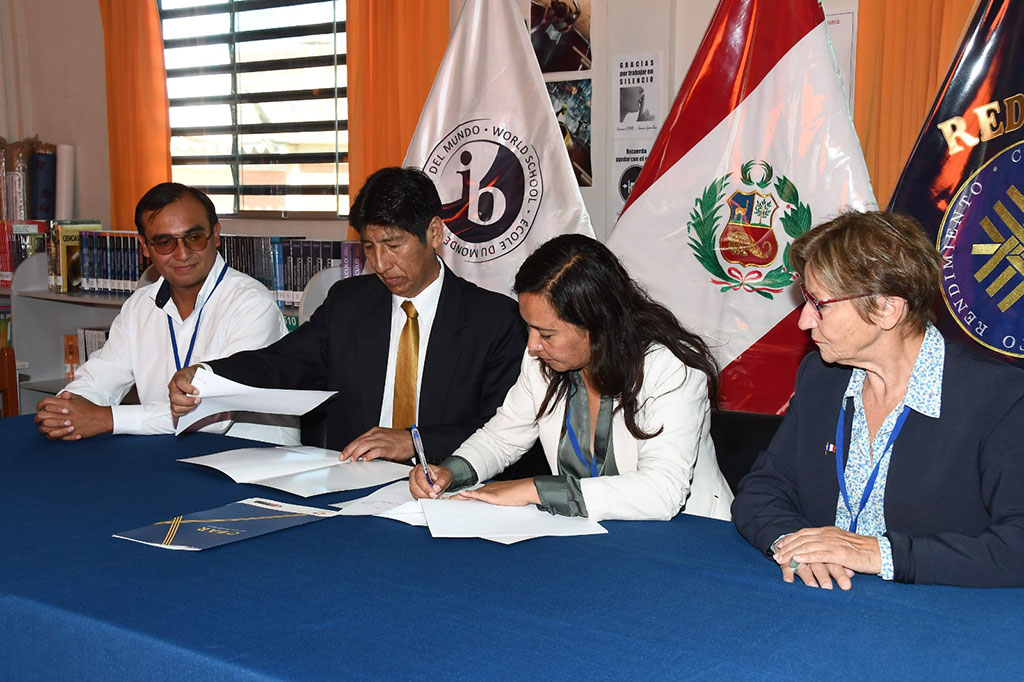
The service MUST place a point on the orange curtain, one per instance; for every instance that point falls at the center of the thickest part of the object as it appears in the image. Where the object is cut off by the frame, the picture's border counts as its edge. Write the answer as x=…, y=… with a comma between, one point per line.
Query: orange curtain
x=903, y=52
x=394, y=49
x=137, y=118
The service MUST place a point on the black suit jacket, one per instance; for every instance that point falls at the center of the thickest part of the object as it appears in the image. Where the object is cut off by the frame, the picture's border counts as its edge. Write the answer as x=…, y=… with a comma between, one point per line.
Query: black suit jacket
x=473, y=356
x=954, y=495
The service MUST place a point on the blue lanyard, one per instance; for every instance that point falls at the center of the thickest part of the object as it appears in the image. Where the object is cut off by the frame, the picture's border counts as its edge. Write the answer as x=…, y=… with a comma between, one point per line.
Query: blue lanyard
x=592, y=465
x=195, y=332
x=840, y=468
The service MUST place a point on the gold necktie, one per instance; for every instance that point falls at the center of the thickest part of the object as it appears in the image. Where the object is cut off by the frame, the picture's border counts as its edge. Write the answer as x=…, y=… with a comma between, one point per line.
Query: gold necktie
x=404, y=413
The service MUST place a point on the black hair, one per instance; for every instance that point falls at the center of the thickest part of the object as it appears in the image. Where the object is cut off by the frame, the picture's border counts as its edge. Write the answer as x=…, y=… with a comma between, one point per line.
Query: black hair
x=396, y=197
x=588, y=287
x=166, y=193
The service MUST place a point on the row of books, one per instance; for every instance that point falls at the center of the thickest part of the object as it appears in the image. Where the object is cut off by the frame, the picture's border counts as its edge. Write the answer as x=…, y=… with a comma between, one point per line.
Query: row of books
x=84, y=256
x=286, y=264
x=111, y=261
x=80, y=346
x=60, y=239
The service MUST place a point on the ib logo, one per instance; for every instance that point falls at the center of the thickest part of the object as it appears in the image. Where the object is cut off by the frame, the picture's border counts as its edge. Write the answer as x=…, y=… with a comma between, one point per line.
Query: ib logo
x=491, y=187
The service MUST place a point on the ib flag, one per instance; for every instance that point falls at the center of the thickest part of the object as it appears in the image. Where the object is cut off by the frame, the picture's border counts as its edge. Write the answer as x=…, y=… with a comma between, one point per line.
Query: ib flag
x=489, y=140
x=757, y=149
x=965, y=178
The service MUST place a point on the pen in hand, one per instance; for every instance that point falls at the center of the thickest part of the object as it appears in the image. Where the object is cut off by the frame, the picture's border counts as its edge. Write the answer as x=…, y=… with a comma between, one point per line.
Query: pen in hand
x=417, y=444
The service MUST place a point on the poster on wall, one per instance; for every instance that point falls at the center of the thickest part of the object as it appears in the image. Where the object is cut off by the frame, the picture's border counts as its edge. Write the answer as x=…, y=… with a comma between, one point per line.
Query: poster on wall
x=571, y=101
x=842, y=33
x=560, y=33
x=636, y=95
x=629, y=158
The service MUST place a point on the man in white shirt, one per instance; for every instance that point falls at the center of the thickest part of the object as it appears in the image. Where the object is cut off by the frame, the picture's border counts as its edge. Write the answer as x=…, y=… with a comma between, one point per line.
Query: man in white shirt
x=457, y=366
x=199, y=309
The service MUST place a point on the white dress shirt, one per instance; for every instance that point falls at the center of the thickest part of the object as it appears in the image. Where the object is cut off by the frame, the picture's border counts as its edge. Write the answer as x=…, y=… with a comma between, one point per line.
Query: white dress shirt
x=241, y=315
x=426, y=310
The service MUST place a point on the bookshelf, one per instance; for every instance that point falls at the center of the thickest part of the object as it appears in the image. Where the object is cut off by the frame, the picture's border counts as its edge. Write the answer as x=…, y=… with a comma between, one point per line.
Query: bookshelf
x=78, y=298
x=41, y=318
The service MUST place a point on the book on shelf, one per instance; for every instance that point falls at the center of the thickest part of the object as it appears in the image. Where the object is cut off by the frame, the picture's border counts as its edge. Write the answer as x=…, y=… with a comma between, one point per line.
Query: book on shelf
x=6, y=337
x=71, y=357
x=19, y=239
x=90, y=340
x=286, y=264
x=67, y=239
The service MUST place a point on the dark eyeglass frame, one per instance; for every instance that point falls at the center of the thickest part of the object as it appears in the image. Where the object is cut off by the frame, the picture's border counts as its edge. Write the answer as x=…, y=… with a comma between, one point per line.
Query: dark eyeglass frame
x=817, y=305
x=168, y=243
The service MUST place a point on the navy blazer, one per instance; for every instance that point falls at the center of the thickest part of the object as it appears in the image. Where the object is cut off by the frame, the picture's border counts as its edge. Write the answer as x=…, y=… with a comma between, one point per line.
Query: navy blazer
x=954, y=496
x=473, y=354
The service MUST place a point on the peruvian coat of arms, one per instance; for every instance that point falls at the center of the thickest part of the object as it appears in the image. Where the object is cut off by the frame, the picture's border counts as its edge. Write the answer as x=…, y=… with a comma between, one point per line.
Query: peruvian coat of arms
x=739, y=255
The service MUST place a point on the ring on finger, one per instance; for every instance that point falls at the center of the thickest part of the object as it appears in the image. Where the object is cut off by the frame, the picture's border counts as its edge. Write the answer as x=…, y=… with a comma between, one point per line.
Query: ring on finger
x=794, y=565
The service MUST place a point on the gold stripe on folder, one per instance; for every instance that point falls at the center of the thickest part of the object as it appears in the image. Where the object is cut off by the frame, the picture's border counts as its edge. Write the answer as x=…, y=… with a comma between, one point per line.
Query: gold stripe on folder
x=172, y=530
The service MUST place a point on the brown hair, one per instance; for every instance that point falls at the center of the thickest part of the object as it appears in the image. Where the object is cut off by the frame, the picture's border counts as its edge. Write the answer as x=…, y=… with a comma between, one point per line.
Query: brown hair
x=876, y=252
x=590, y=289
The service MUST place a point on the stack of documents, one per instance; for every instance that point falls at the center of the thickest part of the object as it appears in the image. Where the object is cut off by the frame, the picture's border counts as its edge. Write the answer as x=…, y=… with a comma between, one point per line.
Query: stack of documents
x=451, y=518
x=301, y=470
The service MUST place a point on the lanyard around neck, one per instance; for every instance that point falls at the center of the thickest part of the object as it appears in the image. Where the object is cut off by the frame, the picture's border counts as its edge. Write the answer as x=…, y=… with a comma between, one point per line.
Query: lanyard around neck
x=591, y=465
x=840, y=463
x=195, y=332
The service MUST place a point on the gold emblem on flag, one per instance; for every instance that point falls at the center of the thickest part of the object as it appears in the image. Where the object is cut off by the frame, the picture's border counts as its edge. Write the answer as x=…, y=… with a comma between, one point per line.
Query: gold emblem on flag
x=1007, y=251
x=748, y=241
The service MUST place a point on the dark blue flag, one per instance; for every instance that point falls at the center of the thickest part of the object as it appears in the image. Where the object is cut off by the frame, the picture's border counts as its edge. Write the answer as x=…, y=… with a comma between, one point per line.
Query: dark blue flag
x=964, y=182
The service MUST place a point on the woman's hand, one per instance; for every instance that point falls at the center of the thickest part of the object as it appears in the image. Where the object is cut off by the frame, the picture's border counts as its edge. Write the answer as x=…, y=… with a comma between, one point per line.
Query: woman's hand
x=420, y=488
x=819, y=575
x=828, y=553
x=505, y=493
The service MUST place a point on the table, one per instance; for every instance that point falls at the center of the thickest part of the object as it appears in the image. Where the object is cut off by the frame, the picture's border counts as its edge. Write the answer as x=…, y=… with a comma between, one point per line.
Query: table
x=368, y=598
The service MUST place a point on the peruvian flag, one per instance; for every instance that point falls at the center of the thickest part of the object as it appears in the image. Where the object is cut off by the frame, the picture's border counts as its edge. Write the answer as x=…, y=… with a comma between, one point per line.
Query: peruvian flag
x=758, y=148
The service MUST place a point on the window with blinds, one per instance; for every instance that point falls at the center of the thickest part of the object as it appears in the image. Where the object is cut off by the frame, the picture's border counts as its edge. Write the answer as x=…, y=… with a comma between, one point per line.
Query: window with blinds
x=258, y=103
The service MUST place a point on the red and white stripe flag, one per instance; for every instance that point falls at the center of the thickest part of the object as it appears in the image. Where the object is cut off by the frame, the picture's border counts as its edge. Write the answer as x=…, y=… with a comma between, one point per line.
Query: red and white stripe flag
x=759, y=147
x=489, y=140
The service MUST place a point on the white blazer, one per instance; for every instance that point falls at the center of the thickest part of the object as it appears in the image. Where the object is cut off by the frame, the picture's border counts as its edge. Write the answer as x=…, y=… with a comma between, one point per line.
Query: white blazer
x=676, y=470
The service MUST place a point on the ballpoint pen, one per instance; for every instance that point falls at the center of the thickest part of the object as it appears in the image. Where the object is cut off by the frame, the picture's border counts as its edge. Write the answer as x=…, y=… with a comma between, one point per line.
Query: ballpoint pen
x=417, y=444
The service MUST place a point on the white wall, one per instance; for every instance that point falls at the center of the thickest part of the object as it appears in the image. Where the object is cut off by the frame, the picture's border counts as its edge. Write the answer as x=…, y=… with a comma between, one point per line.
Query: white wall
x=54, y=48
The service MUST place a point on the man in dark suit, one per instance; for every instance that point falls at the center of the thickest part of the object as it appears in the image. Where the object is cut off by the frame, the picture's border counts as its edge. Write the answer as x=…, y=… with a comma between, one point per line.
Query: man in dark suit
x=362, y=341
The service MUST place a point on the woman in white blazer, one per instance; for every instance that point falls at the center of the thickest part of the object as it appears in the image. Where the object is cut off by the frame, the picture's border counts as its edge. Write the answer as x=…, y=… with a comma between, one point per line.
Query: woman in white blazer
x=615, y=389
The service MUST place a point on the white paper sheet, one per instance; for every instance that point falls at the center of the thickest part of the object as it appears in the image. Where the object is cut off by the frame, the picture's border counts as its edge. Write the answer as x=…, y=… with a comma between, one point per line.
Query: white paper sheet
x=396, y=502
x=223, y=395
x=379, y=501
x=474, y=519
x=301, y=470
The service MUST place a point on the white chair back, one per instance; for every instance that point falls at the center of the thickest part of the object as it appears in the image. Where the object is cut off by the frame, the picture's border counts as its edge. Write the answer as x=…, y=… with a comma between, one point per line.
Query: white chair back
x=316, y=291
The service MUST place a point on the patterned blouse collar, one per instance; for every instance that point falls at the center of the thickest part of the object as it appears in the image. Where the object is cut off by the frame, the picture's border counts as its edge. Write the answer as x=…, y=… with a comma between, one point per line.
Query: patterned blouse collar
x=924, y=389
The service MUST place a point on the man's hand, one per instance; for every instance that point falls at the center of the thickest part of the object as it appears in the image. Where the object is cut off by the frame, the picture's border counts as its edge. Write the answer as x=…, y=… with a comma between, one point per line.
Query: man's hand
x=69, y=416
x=517, y=493
x=182, y=393
x=380, y=443
x=419, y=487
x=828, y=553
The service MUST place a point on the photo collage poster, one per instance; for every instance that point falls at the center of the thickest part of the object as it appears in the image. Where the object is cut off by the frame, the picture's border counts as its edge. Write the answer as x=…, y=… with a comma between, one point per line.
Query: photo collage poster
x=560, y=34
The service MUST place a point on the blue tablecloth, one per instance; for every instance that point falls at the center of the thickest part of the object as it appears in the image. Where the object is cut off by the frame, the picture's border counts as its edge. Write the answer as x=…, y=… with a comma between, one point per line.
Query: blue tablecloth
x=368, y=598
